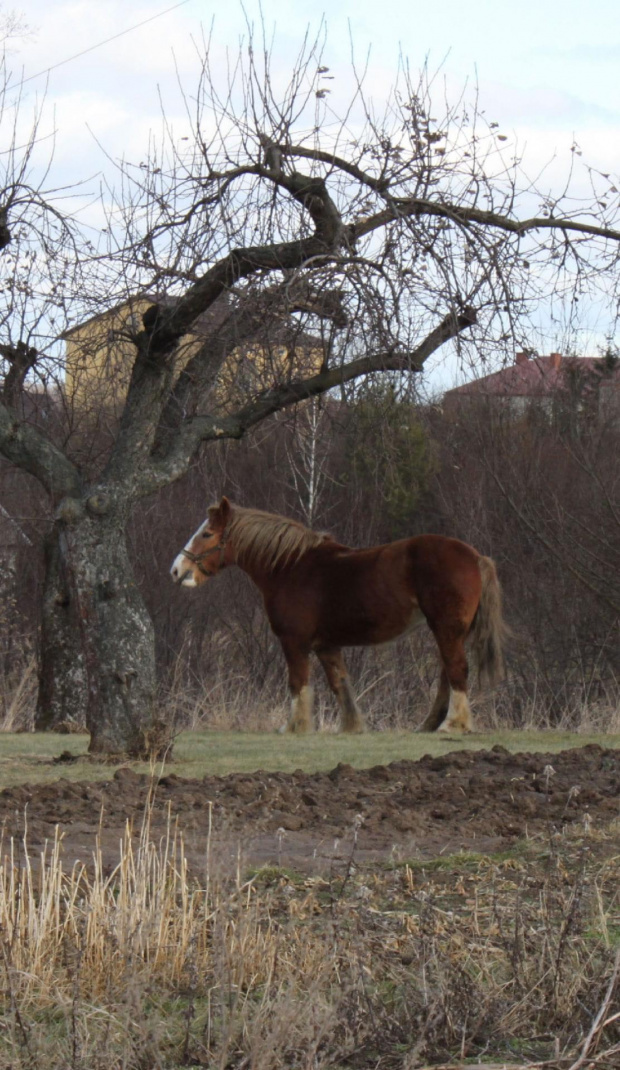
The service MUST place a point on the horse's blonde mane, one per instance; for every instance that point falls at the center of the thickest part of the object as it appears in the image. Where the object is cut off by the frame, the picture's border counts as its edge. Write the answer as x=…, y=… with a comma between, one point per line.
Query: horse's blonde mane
x=269, y=540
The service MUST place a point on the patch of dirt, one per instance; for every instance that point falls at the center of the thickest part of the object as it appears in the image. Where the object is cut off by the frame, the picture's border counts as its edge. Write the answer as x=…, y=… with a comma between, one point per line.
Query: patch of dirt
x=465, y=800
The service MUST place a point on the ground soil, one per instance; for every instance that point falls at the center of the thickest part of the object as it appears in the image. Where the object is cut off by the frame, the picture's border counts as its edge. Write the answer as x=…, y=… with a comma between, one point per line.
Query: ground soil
x=462, y=801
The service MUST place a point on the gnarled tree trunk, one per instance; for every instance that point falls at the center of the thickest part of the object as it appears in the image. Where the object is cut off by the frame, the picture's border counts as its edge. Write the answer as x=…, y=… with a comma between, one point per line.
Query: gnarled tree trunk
x=114, y=630
x=62, y=697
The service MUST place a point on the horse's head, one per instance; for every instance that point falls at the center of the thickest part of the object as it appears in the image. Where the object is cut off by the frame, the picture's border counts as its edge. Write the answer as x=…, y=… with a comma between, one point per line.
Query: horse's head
x=207, y=550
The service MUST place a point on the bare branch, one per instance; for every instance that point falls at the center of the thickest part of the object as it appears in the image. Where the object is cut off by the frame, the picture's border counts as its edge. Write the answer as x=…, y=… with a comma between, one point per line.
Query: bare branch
x=208, y=428
x=414, y=208
x=21, y=358
x=29, y=449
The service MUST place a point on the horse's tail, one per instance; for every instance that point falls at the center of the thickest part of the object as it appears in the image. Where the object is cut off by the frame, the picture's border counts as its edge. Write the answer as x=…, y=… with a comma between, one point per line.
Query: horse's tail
x=489, y=631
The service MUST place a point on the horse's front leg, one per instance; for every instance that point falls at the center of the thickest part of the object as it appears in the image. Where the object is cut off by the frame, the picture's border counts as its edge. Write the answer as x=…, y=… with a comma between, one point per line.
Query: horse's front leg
x=298, y=662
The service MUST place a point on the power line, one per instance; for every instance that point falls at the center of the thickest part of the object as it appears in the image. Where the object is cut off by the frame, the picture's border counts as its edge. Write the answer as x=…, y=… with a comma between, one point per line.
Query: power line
x=99, y=44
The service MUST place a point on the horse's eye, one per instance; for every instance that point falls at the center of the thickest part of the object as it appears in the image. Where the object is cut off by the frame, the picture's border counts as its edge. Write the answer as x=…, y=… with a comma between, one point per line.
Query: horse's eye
x=207, y=534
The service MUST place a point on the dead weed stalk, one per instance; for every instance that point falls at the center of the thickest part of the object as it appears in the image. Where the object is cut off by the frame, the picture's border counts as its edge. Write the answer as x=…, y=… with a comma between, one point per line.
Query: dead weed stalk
x=148, y=965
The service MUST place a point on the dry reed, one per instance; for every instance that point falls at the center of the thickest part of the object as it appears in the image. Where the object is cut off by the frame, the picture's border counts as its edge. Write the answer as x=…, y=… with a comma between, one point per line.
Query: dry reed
x=18, y=695
x=147, y=965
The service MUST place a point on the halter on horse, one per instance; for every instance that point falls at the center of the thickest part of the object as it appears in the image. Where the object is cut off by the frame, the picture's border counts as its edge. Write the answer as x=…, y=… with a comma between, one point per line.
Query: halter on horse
x=197, y=558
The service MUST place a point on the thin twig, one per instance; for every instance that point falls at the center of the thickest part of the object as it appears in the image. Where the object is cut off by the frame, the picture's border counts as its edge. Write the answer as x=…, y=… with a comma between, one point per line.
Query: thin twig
x=599, y=1023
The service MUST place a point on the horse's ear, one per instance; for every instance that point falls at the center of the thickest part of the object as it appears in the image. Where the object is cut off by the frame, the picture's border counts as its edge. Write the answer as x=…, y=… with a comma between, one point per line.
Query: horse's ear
x=219, y=515
x=225, y=510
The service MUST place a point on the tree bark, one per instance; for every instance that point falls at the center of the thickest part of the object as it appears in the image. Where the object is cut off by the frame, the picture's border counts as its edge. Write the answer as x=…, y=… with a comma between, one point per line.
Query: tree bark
x=62, y=694
x=114, y=630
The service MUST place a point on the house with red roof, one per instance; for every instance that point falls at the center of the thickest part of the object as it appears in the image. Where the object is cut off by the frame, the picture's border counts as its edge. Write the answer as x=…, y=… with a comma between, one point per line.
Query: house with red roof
x=556, y=385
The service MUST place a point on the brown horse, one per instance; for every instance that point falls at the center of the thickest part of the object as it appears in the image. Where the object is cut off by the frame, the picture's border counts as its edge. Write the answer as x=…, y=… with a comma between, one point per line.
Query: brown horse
x=321, y=596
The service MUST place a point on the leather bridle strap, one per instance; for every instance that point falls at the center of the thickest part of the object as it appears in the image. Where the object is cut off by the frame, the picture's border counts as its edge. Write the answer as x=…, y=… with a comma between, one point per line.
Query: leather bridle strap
x=197, y=558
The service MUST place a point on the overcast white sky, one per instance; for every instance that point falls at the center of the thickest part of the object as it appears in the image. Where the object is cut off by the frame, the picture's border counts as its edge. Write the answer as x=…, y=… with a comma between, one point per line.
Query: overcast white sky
x=547, y=70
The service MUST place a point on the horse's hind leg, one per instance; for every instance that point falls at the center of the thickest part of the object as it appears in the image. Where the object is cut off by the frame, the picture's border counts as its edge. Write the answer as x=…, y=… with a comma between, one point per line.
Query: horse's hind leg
x=454, y=661
x=338, y=679
x=439, y=708
x=298, y=662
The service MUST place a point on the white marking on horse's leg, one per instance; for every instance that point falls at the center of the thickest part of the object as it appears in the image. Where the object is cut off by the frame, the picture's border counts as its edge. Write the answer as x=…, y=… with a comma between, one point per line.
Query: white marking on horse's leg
x=458, y=718
x=301, y=711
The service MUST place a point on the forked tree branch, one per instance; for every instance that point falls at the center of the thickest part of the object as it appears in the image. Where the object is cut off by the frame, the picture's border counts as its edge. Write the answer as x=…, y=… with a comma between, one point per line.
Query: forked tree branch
x=244, y=323
x=29, y=449
x=164, y=327
x=407, y=208
x=208, y=428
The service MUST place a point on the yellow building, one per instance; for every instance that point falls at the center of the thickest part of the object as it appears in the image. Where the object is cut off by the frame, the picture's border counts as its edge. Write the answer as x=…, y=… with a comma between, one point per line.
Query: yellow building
x=100, y=353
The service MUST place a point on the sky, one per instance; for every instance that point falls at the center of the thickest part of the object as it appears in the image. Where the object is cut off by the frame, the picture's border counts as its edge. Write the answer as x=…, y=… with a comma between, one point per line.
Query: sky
x=546, y=70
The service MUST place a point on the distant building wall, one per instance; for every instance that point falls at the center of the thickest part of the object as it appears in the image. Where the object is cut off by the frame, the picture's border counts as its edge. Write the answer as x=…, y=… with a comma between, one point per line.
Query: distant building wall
x=100, y=355
x=558, y=386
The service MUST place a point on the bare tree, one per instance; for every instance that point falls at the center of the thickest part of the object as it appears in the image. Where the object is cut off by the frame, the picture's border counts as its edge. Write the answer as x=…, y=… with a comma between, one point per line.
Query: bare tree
x=306, y=454
x=42, y=256
x=387, y=237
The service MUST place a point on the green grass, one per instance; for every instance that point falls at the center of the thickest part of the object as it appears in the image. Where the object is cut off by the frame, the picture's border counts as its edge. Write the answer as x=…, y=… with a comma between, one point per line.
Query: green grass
x=29, y=757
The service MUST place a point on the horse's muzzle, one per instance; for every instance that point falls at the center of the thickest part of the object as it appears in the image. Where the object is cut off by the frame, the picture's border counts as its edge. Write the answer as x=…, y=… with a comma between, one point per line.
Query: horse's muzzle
x=179, y=574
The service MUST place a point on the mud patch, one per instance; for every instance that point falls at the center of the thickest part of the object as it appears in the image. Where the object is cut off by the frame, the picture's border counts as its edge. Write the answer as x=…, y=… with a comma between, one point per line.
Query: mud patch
x=462, y=801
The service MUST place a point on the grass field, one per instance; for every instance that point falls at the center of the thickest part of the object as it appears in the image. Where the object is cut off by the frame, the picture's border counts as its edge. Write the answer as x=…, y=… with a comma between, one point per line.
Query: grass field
x=31, y=757
x=507, y=959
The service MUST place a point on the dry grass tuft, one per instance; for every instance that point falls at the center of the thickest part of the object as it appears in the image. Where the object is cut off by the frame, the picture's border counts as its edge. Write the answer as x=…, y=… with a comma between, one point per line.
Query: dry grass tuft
x=511, y=958
x=18, y=696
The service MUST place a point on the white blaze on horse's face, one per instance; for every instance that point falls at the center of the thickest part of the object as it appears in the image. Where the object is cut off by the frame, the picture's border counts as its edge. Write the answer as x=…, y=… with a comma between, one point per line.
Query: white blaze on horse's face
x=186, y=572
